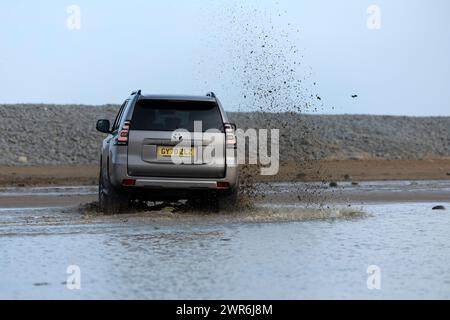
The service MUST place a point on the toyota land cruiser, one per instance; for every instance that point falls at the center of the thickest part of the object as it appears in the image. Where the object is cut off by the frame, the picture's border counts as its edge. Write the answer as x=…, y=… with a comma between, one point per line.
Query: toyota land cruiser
x=159, y=149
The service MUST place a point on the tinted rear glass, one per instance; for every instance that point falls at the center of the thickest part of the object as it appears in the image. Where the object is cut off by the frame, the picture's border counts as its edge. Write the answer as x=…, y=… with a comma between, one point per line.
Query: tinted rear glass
x=163, y=115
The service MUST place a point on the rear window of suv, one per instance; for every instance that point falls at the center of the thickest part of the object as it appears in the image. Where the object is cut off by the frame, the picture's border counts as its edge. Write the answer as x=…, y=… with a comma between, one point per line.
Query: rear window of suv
x=167, y=115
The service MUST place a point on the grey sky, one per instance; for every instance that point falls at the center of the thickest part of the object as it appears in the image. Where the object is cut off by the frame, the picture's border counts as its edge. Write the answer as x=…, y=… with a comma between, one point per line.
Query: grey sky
x=183, y=46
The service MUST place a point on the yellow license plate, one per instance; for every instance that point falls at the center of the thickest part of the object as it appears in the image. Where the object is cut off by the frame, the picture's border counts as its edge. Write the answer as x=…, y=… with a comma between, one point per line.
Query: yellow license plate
x=177, y=152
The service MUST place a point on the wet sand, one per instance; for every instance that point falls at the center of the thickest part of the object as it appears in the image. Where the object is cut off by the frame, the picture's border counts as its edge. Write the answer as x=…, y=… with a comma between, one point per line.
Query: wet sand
x=339, y=170
x=48, y=175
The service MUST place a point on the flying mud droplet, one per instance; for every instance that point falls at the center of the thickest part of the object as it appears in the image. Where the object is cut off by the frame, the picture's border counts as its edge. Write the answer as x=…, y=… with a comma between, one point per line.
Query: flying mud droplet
x=262, y=66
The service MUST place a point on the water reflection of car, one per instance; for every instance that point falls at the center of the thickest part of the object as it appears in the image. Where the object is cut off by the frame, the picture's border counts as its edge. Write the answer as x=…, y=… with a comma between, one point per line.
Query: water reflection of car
x=137, y=161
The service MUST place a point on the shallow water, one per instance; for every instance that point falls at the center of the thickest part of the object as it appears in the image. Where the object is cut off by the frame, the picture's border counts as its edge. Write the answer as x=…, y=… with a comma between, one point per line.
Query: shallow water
x=160, y=256
x=48, y=191
x=365, y=186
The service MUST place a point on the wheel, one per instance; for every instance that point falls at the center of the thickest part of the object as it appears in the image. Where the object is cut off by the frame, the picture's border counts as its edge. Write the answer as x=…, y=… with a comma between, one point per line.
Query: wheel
x=227, y=200
x=111, y=200
x=221, y=200
x=203, y=202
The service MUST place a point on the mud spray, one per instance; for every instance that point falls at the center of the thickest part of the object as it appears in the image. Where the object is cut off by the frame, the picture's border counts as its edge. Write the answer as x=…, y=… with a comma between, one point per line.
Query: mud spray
x=258, y=62
x=179, y=213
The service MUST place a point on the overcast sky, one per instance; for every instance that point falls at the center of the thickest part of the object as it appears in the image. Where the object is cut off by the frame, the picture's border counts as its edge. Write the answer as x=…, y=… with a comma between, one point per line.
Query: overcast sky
x=163, y=46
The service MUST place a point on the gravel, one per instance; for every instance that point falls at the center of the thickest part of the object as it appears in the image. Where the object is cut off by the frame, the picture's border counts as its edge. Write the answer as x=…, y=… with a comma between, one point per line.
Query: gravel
x=65, y=134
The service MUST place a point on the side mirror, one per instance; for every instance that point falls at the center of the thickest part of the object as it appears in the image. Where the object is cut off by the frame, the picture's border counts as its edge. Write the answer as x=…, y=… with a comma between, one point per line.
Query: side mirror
x=230, y=126
x=103, y=126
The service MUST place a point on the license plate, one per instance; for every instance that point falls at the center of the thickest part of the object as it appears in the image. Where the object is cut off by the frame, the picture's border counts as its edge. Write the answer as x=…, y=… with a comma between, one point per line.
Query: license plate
x=177, y=152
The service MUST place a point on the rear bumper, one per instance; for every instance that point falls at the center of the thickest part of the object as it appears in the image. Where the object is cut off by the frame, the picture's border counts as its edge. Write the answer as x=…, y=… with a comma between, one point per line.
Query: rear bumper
x=118, y=173
x=159, y=183
x=158, y=189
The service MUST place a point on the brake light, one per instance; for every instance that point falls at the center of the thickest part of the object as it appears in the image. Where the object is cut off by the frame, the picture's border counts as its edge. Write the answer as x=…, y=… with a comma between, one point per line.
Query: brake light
x=122, y=138
x=230, y=135
x=128, y=182
x=223, y=185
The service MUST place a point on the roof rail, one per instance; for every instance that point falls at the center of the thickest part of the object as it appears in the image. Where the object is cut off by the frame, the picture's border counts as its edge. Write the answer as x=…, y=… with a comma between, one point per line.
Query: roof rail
x=136, y=92
x=211, y=94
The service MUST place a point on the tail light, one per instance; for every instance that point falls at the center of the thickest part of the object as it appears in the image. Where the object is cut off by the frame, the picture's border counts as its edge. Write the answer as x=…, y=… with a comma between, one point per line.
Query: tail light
x=128, y=182
x=230, y=135
x=122, y=138
x=223, y=185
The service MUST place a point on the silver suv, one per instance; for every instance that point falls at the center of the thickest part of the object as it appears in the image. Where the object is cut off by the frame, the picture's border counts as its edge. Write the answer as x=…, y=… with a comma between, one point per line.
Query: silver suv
x=168, y=148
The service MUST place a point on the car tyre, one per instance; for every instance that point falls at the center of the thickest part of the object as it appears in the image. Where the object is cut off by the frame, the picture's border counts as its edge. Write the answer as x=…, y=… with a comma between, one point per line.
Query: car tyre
x=226, y=201
x=111, y=200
